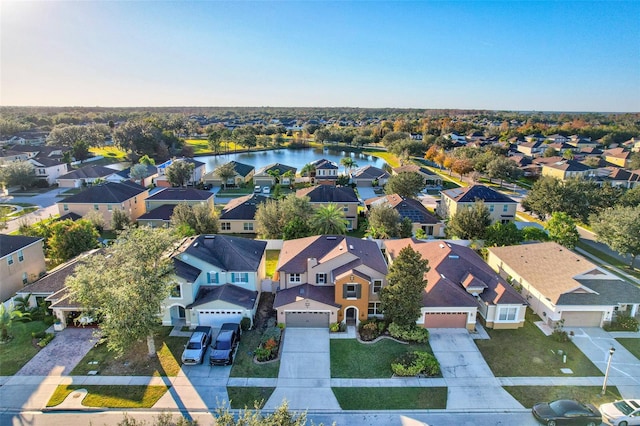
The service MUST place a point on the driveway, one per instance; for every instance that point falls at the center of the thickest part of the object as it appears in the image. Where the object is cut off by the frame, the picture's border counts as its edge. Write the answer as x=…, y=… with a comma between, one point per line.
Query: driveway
x=304, y=379
x=470, y=382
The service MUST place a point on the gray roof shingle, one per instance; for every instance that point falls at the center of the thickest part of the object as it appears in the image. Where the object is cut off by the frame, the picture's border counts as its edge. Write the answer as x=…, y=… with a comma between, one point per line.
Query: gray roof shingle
x=225, y=252
x=12, y=243
x=228, y=293
x=469, y=194
x=106, y=193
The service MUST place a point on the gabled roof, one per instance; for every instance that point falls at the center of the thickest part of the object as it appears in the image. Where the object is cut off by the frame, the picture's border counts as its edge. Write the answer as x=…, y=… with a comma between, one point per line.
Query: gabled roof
x=602, y=292
x=568, y=166
x=369, y=172
x=283, y=168
x=406, y=207
x=243, y=207
x=323, y=248
x=224, y=252
x=229, y=293
x=89, y=172
x=242, y=169
x=54, y=280
x=69, y=216
x=329, y=194
x=413, y=168
x=181, y=194
x=452, y=267
x=43, y=161
x=321, y=294
x=469, y=194
x=106, y=193
x=324, y=164
x=184, y=270
x=163, y=212
x=622, y=174
x=12, y=243
x=617, y=153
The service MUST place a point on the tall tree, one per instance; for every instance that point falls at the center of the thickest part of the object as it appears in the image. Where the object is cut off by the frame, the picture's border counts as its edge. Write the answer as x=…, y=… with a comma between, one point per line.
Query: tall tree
x=20, y=173
x=462, y=166
x=138, y=172
x=469, y=223
x=619, y=228
x=179, y=172
x=224, y=173
x=405, y=184
x=119, y=220
x=68, y=239
x=348, y=164
x=562, y=229
x=500, y=235
x=126, y=291
x=244, y=136
x=383, y=221
x=80, y=150
x=503, y=169
x=194, y=220
x=329, y=219
x=401, y=298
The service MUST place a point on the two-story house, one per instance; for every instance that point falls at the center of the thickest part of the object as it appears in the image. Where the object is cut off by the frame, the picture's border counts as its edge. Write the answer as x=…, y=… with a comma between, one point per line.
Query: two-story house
x=343, y=196
x=324, y=172
x=566, y=169
x=243, y=175
x=326, y=279
x=617, y=156
x=239, y=215
x=49, y=169
x=21, y=262
x=501, y=208
x=199, y=169
x=266, y=176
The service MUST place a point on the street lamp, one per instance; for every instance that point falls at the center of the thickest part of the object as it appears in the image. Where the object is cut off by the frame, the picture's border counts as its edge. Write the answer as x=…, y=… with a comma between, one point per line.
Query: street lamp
x=606, y=374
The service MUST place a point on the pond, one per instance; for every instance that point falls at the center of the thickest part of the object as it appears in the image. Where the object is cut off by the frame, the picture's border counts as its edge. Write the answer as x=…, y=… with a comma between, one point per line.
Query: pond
x=290, y=157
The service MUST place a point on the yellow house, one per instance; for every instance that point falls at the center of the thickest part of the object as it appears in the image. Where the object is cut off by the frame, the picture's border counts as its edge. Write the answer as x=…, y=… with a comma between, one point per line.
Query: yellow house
x=238, y=216
x=617, y=156
x=501, y=208
x=566, y=169
x=21, y=263
x=343, y=196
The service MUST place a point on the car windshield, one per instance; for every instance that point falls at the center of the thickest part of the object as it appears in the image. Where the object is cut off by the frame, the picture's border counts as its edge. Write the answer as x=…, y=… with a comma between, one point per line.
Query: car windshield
x=562, y=406
x=623, y=407
x=193, y=345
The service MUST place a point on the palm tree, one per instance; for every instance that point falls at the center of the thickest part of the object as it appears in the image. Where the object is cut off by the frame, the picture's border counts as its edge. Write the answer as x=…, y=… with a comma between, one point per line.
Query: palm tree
x=275, y=174
x=291, y=176
x=329, y=219
x=348, y=164
x=225, y=172
x=7, y=317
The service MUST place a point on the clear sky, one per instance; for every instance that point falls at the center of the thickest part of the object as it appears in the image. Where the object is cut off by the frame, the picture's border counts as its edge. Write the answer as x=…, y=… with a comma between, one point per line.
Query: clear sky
x=507, y=55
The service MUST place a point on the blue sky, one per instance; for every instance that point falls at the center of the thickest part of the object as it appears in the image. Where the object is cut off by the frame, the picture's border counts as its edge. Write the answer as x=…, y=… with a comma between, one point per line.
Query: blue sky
x=529, y=55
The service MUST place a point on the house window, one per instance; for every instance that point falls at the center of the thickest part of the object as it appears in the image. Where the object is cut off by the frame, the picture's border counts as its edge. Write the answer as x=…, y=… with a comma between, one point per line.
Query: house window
x=176, y=292
x=109, y=207
x=20, y=256
x=505, y=208
x=507, y=314
x=345, y=208
x=321, y=278
x=377, y=285
x=65, y=207
x=351, y=291
x=212, y=277
x=491, y=207
x=10, y=260
x=248, y=226
x=24, y=278
x=374, y=308
x=225, y=226
x=96, y=207
x=240, y=277
x=295, y=278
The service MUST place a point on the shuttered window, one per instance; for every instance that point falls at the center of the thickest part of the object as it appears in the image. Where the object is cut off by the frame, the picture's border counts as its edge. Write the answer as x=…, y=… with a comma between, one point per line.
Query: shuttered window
x=352, y=291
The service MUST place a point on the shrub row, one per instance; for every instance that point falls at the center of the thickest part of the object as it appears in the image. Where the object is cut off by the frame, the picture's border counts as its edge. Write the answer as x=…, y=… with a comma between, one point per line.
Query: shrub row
x=414, y=363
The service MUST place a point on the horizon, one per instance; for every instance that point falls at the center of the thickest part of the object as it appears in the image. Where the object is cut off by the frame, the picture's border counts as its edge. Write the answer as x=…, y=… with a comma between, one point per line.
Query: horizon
x=547, y=56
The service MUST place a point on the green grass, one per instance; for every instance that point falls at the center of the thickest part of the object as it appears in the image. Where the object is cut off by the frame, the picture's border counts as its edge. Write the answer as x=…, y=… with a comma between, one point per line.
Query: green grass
x=631, y=344
x=243, y=365
x=15, y=353
x=623, y=266
x=388, y=157
x=109, y=152
x=528, y=396
x=272, y=261
x=352, y=359
x=135, y=361
x=241, y=398
x=111, y=396
x=528, y=352
x=391, y=398
x=200, y=146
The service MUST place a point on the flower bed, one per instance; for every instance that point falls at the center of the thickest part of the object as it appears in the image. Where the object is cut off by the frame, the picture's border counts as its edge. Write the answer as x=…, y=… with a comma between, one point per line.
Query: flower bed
x=269, y=347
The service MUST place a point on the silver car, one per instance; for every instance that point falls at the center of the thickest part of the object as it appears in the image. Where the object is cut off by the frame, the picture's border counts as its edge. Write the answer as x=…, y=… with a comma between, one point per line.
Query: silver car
x=621, y=413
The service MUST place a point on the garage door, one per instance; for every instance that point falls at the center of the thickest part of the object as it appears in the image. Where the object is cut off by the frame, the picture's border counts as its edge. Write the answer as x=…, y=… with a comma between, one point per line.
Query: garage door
x=307, y=319
x=445, y=320
x=216, y=318
x=581, y=319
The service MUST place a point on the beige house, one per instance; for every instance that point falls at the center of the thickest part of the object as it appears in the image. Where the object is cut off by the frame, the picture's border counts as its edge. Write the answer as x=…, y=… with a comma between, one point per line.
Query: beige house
x=501, y=208
x=105, y=198
x=243, y=175
x=412, y=209
x=21, y=262
x=617, y=156
x=263, y=178
x=238, y=216
x=87, y=175
x=566, y=169
x=561, y=285
x=343, y=196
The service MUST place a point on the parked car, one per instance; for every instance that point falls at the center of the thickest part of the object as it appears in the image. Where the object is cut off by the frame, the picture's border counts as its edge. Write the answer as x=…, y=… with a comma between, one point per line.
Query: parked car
x=566, y=412
x=225, y=346
x=266, y=190
x=621, y=413
x=196, y=348
x=257, y=188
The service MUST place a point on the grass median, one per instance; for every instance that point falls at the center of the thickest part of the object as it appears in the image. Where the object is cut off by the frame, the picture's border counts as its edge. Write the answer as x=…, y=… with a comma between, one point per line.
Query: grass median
x=108, y=396
x=400, y=398
x=528, y=396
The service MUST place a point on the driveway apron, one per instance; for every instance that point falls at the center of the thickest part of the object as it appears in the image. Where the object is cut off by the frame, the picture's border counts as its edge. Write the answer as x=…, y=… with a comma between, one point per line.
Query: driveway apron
x=470, y=382
x=304, y=379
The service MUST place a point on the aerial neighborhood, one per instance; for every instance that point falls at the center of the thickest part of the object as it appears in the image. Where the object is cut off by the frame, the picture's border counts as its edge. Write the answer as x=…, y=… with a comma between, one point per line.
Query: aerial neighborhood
x=434, y=247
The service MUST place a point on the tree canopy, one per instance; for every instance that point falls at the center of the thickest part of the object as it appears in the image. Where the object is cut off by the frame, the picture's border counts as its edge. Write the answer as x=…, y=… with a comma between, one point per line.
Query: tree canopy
x=179, y=172
x=19, y=173
x=619, y=228
x=405, y=184
x=469, y=223
x=195, y=220
x=329, y=219
x=562, y=229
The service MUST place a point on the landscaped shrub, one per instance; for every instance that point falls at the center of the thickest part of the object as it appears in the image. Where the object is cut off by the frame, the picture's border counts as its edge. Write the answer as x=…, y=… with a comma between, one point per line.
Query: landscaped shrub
x=559, y=334
x=414, y=363
x=269, y=344
x=412, y=333
x=46, y=339
x=335, y=327
x=245, y=324
x=38, y=335
x=368, y=331
x=623, y=322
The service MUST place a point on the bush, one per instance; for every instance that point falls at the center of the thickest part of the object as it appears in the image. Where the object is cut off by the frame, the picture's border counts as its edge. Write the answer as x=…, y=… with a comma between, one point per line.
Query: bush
x=245, y=324
x=335, y=327
x=48, y=319
x=368, y=330
x=559, y=334
x=46, y=339
x=38, y=335
x=623, y=322
x=271, y=333
x=263, y=354
x=412, y=333
x=414, y=363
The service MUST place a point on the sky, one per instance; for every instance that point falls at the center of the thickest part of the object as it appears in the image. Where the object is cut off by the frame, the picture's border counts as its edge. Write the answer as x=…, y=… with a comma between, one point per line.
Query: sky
x=503, y=55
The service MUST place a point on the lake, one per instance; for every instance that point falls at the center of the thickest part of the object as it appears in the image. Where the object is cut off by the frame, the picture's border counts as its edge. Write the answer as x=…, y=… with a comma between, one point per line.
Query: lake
x=290, y=157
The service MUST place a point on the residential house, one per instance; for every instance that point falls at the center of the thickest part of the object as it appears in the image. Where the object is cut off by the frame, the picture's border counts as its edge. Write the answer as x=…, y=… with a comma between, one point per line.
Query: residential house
x=150, y=175
x=561, y=285
x=460, y=285
x=199, y=169
x=244, y=174
x=532, y=149
x=431, y=180
x=263, y=177
x=566, y=169
x=21, y=262
x=49, y=169
x=581, y=142
x=158, y=217
x=105, y=198
x=343, y=196
x=324, y=172
x=622, y=177
x=217, y=280
x=327, y=279
x=239, y=215
x=556, y=138
x=179, y=195
x=412, y=209
x=84, y=176
x=618, y=157
x=632, y=144
x=501, y=208
x=369, y=176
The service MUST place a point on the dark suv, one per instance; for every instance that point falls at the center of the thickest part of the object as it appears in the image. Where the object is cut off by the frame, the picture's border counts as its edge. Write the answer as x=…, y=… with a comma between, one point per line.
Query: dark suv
x=224, y=348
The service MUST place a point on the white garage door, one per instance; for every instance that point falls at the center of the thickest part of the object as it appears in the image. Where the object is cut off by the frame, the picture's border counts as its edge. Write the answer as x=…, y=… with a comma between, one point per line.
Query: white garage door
x=216, y=318
x=581, y=319
x=445, y=320
x=307, y=319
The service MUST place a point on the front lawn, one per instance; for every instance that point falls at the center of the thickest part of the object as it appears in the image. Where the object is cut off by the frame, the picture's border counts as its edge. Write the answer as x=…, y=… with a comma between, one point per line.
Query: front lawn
x=528, y=352
x=391, y=398
x=352, y=359
x=632, y=345
x=243, y=365
x=111, y=396
x=528, y=396
x=135, y=361
x=15, y=353
x=272, y=261
x=242, y=398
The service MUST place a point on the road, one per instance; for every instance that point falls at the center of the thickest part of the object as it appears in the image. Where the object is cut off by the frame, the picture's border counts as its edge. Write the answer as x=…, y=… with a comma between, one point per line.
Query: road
x=46, y=201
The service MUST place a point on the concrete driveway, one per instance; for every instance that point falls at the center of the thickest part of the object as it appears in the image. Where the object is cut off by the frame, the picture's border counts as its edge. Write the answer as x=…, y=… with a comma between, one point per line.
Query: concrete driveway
x=304, y=379
x=470, y=382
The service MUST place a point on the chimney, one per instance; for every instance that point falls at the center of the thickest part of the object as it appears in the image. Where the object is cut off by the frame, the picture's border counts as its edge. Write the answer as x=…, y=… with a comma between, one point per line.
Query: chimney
x=311, y=262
